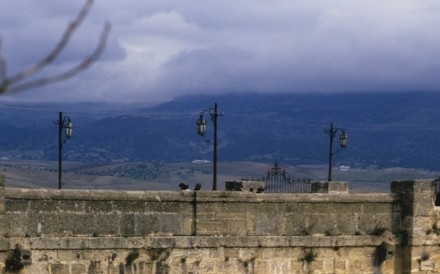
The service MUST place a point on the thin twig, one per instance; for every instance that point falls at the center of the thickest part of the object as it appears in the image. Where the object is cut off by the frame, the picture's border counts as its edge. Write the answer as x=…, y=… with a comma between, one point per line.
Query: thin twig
x=88, y=61
x=15, y=83
x=2, y=65
x=72, y=27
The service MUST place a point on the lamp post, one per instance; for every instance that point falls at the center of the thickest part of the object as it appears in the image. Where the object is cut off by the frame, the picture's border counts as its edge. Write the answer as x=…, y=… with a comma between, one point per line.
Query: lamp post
x=66, y=124
x=201, y=130
x=343, y=139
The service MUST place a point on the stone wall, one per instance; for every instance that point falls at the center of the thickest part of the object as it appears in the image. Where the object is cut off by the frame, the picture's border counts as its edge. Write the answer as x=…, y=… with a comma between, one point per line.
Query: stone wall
x=203, y=254
x=80, y=231
x=420, y=219
x=71, y=213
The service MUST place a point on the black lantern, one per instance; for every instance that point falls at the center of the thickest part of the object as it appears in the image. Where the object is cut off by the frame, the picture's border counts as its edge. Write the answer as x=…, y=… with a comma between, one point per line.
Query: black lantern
x=343, y=139
x=201, y=126
x=69, y=128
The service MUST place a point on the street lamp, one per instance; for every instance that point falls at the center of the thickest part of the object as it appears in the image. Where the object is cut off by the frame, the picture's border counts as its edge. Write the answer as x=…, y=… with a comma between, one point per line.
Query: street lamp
x=343, y=140
x=66, y=124
x=201, y=130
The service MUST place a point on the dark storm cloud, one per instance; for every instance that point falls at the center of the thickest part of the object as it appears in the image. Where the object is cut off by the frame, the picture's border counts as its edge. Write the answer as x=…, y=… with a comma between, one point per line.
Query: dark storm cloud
x=160, y=49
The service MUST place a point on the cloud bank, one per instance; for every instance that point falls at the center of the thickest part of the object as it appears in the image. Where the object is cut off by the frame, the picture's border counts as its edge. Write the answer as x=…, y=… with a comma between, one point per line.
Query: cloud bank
x=162, y=49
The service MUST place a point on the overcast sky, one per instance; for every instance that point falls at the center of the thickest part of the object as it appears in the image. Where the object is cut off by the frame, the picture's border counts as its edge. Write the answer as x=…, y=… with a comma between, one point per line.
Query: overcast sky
x=161, y=49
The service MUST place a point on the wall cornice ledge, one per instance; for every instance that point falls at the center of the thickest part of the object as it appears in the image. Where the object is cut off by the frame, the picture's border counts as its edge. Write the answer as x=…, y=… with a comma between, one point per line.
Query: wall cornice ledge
x=110, y=243
x=189, y=196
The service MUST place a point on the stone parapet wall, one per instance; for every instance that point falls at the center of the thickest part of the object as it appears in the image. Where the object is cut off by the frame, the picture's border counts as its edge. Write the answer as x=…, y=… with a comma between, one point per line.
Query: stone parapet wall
x=332, y=231
x=54, y=213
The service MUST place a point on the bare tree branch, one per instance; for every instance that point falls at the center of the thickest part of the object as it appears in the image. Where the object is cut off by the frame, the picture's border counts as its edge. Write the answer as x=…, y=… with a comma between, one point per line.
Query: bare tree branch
x=17, y=83
x=2, y=64
x=87, y=62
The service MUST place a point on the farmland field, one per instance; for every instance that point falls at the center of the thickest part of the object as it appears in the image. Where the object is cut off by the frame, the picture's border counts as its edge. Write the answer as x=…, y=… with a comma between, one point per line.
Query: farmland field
x=167, y=176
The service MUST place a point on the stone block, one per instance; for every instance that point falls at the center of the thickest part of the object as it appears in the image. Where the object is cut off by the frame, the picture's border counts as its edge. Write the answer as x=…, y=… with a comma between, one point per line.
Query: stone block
x=427, y=265
x=168, y=206
x=59, y=268
x=101, y=225
x=328, y=265
x=340, y=264
x=297, y=224
x=407, y=208
x=209, y=228
x=13, y=206
x=423, y=185
x=276, y=266
x=189, y=226
x=144, y=224
x=237, y=228
x=317, y=265
x=87, y=254
x=344, y=208
x=347, y=224
x=66, y=255
x=269, y=225
x=70, y=206
x=96, y=266
x=2, y=207
x=129, y=206
x=375, y=208
x=127, y=226
x=79, y=268
x=44, y=206
x=18, y=225
x=98, y=206
x=71, y=224
x=142, y=268
x=228, y=215
x=330, y=187
x=65, y=243
x=239, y=208
x=231, y=253
x=171, y=223
x=208, y=209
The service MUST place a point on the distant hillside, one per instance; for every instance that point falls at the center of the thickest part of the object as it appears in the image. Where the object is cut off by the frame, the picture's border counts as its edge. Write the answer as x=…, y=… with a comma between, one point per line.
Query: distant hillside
x=167, y=176
x=384, y=129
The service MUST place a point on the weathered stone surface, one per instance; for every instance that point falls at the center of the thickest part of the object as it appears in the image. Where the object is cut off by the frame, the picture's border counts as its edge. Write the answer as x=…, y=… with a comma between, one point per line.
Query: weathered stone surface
x=83, y=231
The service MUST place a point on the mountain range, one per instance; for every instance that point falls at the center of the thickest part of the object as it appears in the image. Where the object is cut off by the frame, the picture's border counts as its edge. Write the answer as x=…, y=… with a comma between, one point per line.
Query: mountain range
x=384, y=130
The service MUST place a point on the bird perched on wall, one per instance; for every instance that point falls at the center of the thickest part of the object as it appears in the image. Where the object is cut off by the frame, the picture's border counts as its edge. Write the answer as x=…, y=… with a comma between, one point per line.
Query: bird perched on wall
x=198, y=187
x=183, y=186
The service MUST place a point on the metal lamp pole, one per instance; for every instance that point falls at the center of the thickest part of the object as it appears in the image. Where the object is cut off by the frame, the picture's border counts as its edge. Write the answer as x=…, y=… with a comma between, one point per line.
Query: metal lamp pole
x=214, y=116
x=62, y=123
x=201, y=130
x=343, y=143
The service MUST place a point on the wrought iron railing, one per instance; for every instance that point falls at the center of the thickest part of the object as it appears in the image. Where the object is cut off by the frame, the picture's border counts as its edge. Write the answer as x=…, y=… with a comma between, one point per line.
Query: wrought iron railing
x=289, y=185
x=277, y=181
